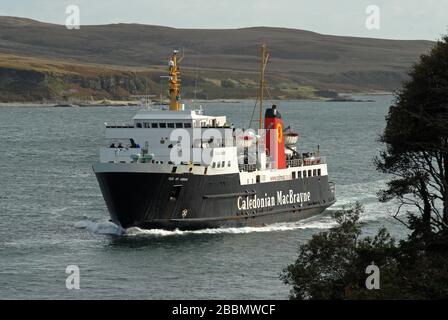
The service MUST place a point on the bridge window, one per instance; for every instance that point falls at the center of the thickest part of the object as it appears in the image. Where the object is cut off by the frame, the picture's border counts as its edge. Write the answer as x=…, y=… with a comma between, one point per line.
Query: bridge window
x=187, y=125
x=304, y=174
x=213, y=165
x=319, y=172
x=299, y=174
x=223, y=164
x=293, y=175
x=146, y=125
x=170, y=125
x=218, y=165
x=229, y=163
x=154, y=125
x=314, y=173
x=179, y=125
x=258, y=178
x=138, y=125
x=309, y=173
x=162, y=125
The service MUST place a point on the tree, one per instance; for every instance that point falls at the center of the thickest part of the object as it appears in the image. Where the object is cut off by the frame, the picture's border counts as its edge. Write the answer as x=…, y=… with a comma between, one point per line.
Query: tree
x=416, y=139
x=332, y=265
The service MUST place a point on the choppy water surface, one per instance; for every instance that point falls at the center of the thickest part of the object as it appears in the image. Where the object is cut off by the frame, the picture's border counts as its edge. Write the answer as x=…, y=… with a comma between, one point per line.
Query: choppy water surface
x=52, y=213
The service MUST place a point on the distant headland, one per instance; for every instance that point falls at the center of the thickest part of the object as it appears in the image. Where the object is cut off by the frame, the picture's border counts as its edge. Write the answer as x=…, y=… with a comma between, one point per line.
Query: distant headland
x=121, y=62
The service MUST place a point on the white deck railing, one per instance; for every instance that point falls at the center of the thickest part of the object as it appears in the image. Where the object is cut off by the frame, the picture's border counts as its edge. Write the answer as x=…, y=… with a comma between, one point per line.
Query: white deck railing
x=117, y=154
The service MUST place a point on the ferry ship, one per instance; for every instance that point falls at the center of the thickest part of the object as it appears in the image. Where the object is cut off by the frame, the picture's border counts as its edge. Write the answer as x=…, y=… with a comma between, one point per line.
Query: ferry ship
x=178, y=168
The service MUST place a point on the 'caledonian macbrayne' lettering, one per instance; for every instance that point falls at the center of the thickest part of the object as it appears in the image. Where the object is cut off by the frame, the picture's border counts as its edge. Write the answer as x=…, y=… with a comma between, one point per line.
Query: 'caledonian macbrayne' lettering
x=256, y=202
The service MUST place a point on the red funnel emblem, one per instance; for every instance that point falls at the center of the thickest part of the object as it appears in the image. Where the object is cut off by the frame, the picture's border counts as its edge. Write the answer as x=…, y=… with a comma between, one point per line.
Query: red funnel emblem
x=275, y=143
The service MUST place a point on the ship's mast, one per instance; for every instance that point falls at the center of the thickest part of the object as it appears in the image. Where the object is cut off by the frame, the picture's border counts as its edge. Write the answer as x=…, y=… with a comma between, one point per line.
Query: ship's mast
x=174, y=82
x=264, y=61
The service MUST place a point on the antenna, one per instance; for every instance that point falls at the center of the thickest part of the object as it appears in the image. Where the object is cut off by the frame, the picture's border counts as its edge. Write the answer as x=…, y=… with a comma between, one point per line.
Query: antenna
x=161, y=88
x=260, y=96
x=264, y=62
x=196, y=78
x=182, y=56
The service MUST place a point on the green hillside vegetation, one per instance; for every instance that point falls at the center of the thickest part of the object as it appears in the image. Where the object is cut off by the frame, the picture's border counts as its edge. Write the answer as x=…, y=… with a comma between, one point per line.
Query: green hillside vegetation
x=42, y=61
x=28, y=79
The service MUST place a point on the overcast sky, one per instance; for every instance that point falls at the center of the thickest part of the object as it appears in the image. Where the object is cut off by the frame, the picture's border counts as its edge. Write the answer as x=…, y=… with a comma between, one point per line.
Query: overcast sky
x=399, y=19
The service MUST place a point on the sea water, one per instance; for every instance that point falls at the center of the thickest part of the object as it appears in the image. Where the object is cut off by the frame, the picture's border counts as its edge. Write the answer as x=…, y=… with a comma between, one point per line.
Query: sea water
x=52, y=214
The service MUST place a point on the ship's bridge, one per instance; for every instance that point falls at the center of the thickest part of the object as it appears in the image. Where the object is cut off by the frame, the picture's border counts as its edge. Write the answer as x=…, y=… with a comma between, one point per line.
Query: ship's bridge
x=177, y=119
x=153, y=129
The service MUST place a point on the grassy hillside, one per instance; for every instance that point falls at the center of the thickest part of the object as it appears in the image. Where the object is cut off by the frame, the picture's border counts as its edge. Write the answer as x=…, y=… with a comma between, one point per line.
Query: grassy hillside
x=47, y=61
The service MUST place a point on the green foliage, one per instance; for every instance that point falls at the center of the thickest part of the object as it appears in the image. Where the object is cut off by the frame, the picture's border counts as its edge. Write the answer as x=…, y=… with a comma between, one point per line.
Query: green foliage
x=416, y=140
x=228, y=83
x=332, y=264
x=419, y=116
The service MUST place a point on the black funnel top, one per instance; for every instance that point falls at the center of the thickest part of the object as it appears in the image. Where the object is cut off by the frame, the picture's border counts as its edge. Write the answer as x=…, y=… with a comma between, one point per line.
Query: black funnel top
x=272, y=112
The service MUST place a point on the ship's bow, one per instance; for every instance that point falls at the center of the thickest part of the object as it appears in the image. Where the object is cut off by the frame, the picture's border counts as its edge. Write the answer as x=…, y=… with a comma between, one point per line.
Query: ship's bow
x=128, y=195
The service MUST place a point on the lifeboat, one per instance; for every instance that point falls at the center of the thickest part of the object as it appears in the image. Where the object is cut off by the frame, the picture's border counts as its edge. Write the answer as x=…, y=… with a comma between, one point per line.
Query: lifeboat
x=291, y=137
x=246, y=140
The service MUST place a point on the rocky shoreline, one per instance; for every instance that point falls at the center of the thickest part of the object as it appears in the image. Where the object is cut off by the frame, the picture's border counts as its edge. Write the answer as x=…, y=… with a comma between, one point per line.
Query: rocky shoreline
x=135, y=103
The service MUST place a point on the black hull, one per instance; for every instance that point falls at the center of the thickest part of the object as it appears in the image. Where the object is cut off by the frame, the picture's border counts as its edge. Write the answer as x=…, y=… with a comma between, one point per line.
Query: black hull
x=190, y=202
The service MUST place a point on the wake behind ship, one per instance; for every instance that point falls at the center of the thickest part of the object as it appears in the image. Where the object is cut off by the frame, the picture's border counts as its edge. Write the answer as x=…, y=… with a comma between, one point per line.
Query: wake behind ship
x=182, y=169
